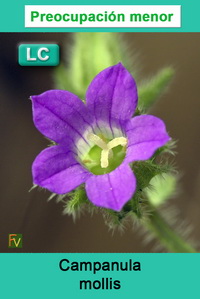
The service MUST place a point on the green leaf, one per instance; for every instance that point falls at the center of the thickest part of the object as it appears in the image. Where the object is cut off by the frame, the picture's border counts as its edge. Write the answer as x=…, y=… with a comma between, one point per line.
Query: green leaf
x=62, y=79
x=162, y=188
x=146, y=170
x=150, y=90
x=75, y=202
x=89, y=54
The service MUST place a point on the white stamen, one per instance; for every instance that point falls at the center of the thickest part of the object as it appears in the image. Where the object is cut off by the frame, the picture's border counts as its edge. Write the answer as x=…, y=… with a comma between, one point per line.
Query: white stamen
x=104, y=158
x=110, y=154
x=117, y=141
x=107, y=152
x=97, y=140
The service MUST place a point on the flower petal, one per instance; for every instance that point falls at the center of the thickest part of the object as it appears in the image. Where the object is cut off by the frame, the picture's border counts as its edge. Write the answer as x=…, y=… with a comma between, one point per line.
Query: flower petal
x=56, y=169
x=112, y=95
x=61, y=116
x=146, y=133
x=112, y=190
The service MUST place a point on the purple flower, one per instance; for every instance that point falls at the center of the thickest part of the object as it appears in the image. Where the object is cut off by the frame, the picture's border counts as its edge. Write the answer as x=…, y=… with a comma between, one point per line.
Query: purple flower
x=95, y=141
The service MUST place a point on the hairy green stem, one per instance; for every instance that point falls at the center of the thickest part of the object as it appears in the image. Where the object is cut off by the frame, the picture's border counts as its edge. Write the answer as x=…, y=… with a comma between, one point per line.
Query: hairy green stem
x=166, y=235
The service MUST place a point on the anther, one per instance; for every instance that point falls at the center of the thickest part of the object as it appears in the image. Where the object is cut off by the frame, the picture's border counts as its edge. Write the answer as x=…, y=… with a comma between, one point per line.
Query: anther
x=107, y=152
x=97, y=140
x=117, y=141
x=104, y=158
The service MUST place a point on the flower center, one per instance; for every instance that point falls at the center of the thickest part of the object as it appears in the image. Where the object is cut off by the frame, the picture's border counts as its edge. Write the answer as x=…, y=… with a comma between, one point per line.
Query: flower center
x=105, y=155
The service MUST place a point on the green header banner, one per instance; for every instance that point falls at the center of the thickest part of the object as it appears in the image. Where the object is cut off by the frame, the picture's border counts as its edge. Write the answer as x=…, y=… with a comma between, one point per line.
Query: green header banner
x=67, y=275
x=15, y=16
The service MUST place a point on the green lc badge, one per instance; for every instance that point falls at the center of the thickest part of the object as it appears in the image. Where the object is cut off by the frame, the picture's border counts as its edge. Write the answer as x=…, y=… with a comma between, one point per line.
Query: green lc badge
x=38, y=55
